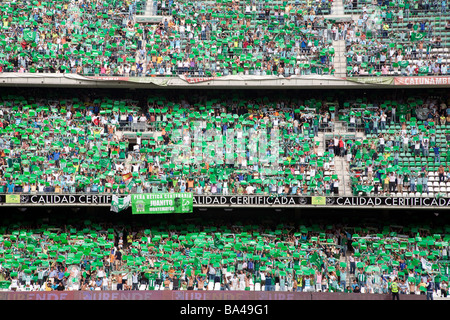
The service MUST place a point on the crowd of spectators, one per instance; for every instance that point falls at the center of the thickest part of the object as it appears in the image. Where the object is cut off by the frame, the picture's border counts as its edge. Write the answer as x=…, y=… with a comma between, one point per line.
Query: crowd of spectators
x=234, y=255
x=183, y=143
x=403, y=148
x=104, y=38
x=223, y=145
x=197, y=38
x=394, y=39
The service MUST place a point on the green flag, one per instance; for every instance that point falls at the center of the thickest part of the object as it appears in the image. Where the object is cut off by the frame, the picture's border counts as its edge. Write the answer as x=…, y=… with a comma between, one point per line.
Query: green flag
x=418, y=36
x=130, y=185
x=29, y=36
x=218, y=243
x=130, y=34
x=315, y=259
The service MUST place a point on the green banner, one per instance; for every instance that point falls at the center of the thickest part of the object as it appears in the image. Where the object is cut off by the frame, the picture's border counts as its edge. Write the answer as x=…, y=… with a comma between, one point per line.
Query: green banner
x=156, y=203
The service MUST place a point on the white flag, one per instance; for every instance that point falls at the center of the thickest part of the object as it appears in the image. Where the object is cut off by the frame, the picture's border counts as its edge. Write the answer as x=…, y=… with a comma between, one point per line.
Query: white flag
x=426, y=265
x=119, y=204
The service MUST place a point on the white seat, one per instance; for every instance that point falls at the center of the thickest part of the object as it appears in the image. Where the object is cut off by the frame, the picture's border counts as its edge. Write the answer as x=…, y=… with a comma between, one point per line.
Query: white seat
x=210, y=285
x=257, y=286
x=142, y=287
x=217, y=286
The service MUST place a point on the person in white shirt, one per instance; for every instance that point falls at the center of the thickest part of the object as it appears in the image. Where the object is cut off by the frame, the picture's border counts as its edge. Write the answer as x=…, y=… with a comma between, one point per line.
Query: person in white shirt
x=234, y=283
x=105, y=283
x=381, y=144
x=392, y=183
x=138, y=140
x=417, y=148
x=383, y=121
x=336, y=186
x=405, y=143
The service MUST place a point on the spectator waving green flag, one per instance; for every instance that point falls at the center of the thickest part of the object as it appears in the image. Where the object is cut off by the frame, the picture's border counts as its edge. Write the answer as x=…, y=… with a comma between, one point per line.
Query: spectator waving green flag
x=417, y=36
x=29, y=35
x=218, y=243
x=316, y=259
x=130, y=34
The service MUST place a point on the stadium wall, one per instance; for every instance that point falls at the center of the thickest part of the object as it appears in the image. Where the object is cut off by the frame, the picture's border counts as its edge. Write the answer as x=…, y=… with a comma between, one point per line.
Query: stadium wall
x=237, y=201
x=227, y=82
x=196, y=295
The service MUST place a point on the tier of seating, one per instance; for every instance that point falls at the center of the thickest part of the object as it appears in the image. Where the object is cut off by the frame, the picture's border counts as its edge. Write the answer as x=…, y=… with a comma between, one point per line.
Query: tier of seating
x=223, y=145
x=395, y=41
x=91, y=254
x=423, y=8
x=403, y=146
x=219, y=38
x=238, y=146
x=198, y=38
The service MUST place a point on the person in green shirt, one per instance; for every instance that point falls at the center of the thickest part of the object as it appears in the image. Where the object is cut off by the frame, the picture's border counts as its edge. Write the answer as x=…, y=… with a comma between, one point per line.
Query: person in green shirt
x=316, y=121
x=420, y=183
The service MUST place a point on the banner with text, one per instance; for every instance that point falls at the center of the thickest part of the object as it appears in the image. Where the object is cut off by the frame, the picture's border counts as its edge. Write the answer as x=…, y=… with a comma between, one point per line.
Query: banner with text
x=174, y=202
x=408, y=81
x=371, y=80
x=156, y=203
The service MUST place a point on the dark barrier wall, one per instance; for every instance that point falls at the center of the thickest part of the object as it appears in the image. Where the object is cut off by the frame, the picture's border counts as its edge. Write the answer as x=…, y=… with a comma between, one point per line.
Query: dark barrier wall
x=20, y=200
x=195, y=295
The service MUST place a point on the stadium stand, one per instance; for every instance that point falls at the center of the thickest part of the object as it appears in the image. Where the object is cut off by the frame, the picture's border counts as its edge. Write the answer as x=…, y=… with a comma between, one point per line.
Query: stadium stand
x=392, y=38
x=204, y=255
x=199, y=38
x=81, y=145
x=214, y=39
x=319, y=145
x=207, y=145
x=403, y=146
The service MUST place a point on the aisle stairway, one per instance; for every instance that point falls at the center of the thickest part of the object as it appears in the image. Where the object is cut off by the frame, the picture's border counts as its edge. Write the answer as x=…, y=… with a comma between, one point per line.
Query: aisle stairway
x=150, y=15
x=337, y=9
x=340, y=62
